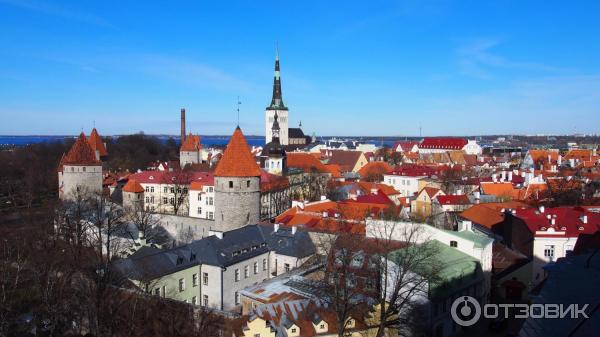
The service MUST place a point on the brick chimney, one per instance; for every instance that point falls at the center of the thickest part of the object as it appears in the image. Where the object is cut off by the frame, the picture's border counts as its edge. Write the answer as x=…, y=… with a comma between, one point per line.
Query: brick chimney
x=182, y=125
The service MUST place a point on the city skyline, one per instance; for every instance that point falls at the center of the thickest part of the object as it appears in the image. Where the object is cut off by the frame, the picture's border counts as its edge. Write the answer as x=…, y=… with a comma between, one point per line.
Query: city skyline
x=446, y=67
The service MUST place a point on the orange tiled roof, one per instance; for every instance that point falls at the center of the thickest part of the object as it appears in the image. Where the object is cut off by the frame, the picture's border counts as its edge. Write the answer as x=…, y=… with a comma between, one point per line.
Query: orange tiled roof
x=489, y=214
x=375, y=168
x=542, y=155
x=191, y=143
x=133, y=187
x=305, y=161
x=237, y=160
x=367, y=187
x=431, y=191
x=334, y=169
x=81, y=153
x=96, y=143
x=505, y=189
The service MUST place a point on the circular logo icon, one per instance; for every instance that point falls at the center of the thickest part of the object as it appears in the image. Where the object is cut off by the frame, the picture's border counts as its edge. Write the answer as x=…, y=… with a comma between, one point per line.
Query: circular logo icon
x=465, y=311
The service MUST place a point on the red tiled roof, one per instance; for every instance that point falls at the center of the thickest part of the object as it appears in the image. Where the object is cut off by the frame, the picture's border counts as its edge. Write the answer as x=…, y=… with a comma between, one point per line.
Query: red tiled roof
x=431, y=191
x=81, y=153
x=272, y=182
x=237, y=160
x=411, y=170
x=567, y=219
x=167, y=177
x=447, y=143
x=191, y=143
x=96, y=143
x=405, y=146
x=133, y=187
x=453, y=199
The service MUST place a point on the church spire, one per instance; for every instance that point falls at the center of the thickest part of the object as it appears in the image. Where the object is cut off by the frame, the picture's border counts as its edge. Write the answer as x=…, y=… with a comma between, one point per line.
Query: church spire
x=275, y=129
x=277, y=100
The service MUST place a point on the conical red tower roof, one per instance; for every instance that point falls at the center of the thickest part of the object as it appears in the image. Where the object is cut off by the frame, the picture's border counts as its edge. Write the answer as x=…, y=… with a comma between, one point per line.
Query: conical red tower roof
x=133, y=186
x=81, y=153
x=237, y=159
x=191, y=143
x=96, y=143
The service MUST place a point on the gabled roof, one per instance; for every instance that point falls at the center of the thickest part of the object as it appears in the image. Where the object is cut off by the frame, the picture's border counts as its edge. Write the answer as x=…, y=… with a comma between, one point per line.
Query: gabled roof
x=133, y=186
x=295, y=133
x=431, y=191
x=81, y=153
x=448, y=143
x=306, y=161
x=345, y=159
x=191, y=143
x=490, y=214
x=375, y=168
x=272, y=182
x=237, y=160
x=568, y=220
x=412, y=170
x=96, y=143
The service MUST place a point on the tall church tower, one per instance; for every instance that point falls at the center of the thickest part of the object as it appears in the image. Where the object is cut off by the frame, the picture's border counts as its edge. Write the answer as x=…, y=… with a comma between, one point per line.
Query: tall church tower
x=275, y=158
x=277, y=107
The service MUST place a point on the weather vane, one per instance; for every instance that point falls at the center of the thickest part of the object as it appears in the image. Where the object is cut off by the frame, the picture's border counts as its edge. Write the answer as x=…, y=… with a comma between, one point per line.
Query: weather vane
x=238, y=110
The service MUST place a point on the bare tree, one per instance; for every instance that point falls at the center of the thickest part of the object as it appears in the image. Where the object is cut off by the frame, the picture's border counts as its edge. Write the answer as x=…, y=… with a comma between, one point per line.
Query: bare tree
x=177, y=185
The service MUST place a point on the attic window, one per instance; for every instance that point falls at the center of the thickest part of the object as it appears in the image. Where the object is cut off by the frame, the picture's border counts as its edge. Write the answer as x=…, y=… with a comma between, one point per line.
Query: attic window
x=151, y=177
x=580, y=228
x=179, y=260
x=543, y=228
x=236, y=253
x=245, y=250
x=563, y=228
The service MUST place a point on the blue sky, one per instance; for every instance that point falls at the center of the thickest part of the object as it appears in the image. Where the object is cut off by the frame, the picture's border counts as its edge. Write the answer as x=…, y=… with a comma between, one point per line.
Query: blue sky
x=348, y=68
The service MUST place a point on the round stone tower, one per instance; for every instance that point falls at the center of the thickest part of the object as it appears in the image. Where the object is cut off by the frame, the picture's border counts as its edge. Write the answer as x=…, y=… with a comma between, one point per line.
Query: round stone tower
x=79, y=170
x=237, y=186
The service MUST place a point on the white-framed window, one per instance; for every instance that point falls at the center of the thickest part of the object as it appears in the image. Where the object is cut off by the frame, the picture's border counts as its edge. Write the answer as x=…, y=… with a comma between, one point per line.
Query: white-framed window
x=211, y=215
x=246, y=271
x=286, y=267
x=264, y=264
x=255, y=268
x=205, y=278
x=237, y=275
x=210, y=201
x=199, y=196
x=205, y=300
x=195, y=280
x=199, y=210
x=157, y=291
x=237, y=297
x=194, y=300
x=549, y=251
x=181, y=285
x=210, y=189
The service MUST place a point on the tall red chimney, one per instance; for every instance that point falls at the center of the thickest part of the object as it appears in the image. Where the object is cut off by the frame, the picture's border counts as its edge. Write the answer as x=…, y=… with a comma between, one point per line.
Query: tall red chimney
x=182, y=125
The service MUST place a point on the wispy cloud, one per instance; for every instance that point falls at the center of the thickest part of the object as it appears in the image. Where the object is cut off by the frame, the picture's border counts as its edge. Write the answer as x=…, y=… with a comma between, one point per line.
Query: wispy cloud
x=476, y=59
x=59, y=11
x=188, y=72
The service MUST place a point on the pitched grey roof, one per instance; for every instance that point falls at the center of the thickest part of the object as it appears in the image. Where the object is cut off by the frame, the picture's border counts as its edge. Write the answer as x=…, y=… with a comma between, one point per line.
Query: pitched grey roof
x=295, y=133
x=235, y=246
x=283, y=242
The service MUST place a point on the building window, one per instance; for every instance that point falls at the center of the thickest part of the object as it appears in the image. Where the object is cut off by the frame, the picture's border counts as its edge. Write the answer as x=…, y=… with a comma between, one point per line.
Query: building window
x=246, y=271
x=230, y=184
x=264, y=264
x=194, y=300
x=195, y=280
x=549, y=251
x=247, y=183
x=237, y=297
x=157, y=291
x=210, y=189
x=199, y=197
x=151, y=189
x=286, y=267
x=165, y=200
x=147, y=189
x=164, y=291
x=255, y=268
x=181, y=284
x=237, y=275
x=210, y=201
x=172, y=189
x=165, y=189
x=205, y=300
x=211, y=215
x=205, y=278
x=453, y=244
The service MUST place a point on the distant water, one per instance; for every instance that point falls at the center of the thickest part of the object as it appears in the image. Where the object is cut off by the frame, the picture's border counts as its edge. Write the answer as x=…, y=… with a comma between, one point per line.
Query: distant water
x=206, y=140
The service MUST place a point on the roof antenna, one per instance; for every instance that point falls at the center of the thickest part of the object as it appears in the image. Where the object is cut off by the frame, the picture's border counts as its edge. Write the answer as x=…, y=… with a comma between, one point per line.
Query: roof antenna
x=94, y=123
x=238, y=111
